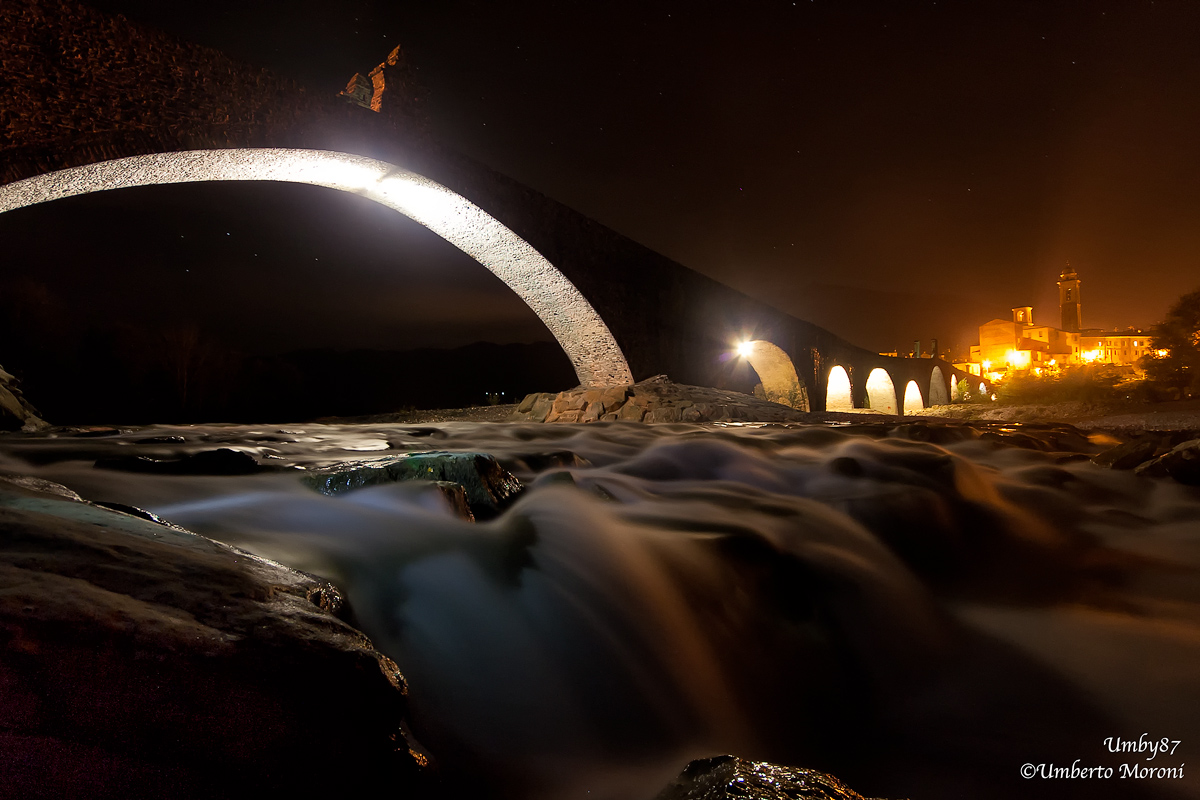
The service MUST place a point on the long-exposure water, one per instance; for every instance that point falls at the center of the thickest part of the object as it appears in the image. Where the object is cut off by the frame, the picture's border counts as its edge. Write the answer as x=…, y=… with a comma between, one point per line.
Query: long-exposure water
x=917, y=610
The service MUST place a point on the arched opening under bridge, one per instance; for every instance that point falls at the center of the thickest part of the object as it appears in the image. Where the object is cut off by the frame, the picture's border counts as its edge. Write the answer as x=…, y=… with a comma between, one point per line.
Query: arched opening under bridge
x=776, y=372
x=881, y=392
x=838, y=396
x=939, y=393
x=912, y=398
x=583, y=335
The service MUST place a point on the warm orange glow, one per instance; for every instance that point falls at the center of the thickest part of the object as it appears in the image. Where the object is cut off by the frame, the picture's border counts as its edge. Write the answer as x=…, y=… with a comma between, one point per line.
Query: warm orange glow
x=1018, y=359
x=1090, y=356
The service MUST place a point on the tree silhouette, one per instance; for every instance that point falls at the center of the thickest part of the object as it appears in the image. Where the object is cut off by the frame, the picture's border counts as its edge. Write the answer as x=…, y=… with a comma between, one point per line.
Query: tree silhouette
x=1175, y=364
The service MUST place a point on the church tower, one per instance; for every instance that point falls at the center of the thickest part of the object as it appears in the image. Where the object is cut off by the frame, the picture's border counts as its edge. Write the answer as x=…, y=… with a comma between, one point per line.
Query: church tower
x=1068, y=300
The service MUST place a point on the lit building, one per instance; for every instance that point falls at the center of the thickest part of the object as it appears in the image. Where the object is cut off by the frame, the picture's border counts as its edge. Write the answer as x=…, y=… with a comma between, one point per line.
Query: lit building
x=1021, y=344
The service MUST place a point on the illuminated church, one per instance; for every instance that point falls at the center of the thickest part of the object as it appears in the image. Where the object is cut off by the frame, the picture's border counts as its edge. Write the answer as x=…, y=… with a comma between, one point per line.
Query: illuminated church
x=1020, y=343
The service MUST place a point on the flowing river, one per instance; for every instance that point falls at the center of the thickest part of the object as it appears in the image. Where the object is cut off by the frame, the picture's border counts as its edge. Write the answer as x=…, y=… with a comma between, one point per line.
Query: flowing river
x=920, y=610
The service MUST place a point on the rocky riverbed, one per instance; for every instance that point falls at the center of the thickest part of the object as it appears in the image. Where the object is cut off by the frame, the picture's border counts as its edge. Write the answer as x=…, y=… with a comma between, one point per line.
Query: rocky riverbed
x=919, y=608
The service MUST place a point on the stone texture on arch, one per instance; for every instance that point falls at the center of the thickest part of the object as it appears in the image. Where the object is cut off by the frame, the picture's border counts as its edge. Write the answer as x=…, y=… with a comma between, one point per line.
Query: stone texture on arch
x=838, y=394
x=881, y=392
x=593, y=351
x=939, y=390
x=913, y=401
x=776, y=372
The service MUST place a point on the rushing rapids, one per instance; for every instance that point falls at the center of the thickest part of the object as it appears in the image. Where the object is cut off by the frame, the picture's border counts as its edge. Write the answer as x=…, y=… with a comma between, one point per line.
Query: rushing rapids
x=922, y=611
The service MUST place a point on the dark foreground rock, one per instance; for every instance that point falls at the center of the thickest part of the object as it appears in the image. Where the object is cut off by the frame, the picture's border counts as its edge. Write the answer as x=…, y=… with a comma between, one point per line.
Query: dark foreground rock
x=488, y=486
x=1181, y=462
x=1157, y=454
x=16, y=413
x=727, y=777
x=140, y=660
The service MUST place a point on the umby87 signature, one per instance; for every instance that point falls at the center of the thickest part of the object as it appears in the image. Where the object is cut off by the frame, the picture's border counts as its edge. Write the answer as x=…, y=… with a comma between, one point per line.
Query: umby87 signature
x=1116, y=744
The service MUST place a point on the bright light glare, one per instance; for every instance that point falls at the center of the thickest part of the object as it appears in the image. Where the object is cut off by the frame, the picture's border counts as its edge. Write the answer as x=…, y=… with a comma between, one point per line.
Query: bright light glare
x=744, y=349
x=1017, y=358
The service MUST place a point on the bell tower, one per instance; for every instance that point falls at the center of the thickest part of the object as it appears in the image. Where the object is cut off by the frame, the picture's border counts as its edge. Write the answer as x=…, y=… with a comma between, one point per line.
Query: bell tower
x=1068, y=300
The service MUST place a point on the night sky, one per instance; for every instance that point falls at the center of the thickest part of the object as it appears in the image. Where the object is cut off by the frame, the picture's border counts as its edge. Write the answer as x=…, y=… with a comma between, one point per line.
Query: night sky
x=892, y=171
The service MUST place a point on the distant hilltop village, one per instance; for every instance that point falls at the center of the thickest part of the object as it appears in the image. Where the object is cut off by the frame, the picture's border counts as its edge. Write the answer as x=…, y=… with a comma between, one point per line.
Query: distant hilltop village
x=1020, y=344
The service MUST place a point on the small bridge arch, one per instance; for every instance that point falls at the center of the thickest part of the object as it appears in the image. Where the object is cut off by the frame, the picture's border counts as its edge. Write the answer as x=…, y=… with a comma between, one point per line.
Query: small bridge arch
x=839, y=394
x=939, y=391
x=913, y=402
x=881, y=392
x=776, y=372
x=587, y=340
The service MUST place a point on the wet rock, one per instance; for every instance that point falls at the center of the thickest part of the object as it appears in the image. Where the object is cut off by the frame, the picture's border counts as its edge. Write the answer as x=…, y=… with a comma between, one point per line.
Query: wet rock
x=222, y=461
x=16, y=413
x=134, y=511
x=488, y=487
x=846, y=466
x=40, y=485
x=454, y=496
x=1127, y=455
x=161, y=440
x=97, y=432
x=728, y=777
x=1182, y=462
x=539, y=462
x=142, y=661
x=935, y=434
x=1014, y=439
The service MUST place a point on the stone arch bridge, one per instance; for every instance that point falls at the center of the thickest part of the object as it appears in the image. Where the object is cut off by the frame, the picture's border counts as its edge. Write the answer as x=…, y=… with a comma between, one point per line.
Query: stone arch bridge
x=98, y=103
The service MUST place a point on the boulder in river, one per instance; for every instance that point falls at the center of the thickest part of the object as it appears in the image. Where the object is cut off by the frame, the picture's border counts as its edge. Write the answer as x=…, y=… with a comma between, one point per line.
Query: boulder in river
x=489, y=487
x=728, y=777
x=1182, y=462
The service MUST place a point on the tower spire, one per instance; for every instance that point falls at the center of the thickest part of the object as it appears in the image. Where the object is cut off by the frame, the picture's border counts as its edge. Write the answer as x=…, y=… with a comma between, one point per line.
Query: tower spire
x=1069, y=303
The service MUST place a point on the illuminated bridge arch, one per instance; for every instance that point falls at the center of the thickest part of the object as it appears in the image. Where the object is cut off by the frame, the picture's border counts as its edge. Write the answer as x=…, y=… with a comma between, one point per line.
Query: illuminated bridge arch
x=776, y=372
x=838, y=394
x=881, y=391
x=939, y=391
x=593, y=351
x=913, y=402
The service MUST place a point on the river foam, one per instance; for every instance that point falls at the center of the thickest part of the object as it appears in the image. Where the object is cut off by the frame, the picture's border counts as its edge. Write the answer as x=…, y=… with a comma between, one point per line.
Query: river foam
x=920, y=619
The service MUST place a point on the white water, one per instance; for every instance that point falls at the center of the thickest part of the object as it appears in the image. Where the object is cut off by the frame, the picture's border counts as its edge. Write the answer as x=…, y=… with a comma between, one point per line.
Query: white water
x=919, y=619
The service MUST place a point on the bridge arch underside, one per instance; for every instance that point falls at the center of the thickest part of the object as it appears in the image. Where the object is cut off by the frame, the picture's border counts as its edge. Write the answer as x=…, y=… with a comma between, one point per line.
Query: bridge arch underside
x=881, y=392
x=587, y=340
x=939, y=393
x=776, y=372
x=839, y=395
x=913, y=401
